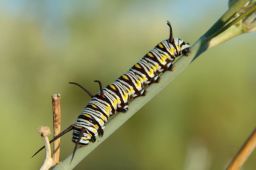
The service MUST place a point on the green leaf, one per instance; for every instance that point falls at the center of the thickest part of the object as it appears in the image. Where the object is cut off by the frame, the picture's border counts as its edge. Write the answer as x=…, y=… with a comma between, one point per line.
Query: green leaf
x=239, y=18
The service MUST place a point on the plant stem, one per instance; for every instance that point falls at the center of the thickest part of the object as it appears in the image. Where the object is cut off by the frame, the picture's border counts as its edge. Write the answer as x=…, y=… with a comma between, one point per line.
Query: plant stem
x=244, y=152
x=48, y=162
x=56, y=109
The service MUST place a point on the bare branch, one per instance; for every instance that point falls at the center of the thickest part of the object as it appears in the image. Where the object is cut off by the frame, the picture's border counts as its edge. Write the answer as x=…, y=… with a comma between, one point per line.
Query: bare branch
x=48, y=162
x=56, y=109
x=243, y=154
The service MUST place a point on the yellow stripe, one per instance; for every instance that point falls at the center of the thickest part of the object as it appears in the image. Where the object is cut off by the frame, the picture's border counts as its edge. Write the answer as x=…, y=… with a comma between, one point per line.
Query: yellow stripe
x=160, y=45
x=125, y=97
x=103, y=118
x=137, y=65
x=163, y=58
x=150, y=55
x=151, y=72
x=172, y=51
x=113, y=87
x=87, y=115
x=95, y=126
x=108, y=110
x=138, y=85
x=101, y=122
x=114, y=103
x=125, y=77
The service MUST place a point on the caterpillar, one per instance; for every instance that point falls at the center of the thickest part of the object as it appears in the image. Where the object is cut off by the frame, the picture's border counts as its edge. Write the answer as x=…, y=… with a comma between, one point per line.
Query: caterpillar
x=116, y=97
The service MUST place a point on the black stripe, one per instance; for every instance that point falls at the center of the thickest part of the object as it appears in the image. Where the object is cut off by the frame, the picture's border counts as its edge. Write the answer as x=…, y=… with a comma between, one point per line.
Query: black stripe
x=98, y=109
x=93, y=121
x=103, y=97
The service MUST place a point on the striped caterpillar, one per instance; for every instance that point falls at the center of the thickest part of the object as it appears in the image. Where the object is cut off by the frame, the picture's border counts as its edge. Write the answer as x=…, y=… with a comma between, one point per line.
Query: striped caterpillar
x=115, y=97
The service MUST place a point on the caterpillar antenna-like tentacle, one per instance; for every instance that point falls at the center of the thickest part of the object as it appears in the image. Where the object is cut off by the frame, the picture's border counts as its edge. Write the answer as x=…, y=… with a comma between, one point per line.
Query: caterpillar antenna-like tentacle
x=82, y=87
x=100, y=84
x=171, y=34
x=76, y=145
x=55, y=138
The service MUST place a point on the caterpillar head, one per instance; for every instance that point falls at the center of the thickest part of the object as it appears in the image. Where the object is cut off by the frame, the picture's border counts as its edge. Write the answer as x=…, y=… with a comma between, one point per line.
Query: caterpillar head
x=81, y=136
x=180, y=47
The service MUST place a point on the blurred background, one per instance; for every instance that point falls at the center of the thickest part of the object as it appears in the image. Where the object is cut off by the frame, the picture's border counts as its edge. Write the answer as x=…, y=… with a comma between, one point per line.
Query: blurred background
x=197, y=123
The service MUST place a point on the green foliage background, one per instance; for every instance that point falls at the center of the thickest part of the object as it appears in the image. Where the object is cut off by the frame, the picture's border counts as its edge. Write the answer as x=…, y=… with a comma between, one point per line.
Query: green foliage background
x=203, y=116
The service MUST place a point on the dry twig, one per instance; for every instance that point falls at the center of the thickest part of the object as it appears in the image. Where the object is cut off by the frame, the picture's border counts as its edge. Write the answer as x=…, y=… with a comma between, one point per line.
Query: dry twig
x=244, y=152
x=48, y=162
x=56, y=126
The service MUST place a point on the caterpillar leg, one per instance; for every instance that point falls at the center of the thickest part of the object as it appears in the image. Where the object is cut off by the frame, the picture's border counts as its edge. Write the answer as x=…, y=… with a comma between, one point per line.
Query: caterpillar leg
x=140, y=93
x=171, y=68
x=156, y=78
x=143, y=92
x=123, y=108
